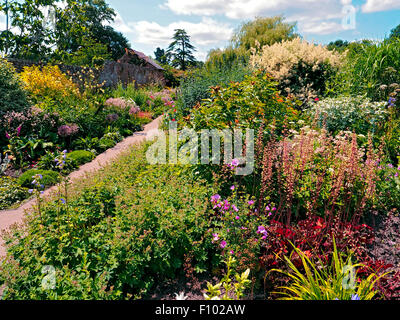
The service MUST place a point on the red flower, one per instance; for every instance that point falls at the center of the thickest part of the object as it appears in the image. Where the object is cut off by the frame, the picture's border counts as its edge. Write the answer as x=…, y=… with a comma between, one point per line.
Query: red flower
x=317, y=99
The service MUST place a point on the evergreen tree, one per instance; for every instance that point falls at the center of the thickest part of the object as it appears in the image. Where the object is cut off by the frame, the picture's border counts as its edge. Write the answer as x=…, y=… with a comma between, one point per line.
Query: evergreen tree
x=181, y=50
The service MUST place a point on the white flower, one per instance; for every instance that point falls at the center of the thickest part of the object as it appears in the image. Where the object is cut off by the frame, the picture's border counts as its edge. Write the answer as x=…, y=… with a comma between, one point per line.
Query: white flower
x=180, y=296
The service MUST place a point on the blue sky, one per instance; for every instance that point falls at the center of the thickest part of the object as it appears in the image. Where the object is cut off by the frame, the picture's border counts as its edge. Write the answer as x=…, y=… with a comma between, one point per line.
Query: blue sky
x=149, y=24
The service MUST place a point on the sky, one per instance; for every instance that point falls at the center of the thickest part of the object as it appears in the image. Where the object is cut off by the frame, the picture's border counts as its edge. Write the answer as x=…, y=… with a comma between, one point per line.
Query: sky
x=149, y=24
x=210, y=23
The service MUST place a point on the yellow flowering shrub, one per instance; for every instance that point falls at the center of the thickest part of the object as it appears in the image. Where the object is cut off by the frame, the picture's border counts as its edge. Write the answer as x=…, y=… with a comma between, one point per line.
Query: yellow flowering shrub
x=48, y=81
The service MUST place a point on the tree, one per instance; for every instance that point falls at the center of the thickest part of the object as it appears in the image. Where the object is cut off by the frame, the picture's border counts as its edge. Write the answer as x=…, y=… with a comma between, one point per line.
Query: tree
x=74, y=23
x=33, y=38
x=263, y=31
x=395, y=33
x=338, y=45
x=161, y=56
x=90, y=54
x=181, y=50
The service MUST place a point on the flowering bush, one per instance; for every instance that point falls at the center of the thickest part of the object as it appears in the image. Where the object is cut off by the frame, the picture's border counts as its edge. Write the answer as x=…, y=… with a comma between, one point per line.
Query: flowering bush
x=301, y=68
x=313, y=173
x=247, y=104
x=349, y=113
x=47, y=81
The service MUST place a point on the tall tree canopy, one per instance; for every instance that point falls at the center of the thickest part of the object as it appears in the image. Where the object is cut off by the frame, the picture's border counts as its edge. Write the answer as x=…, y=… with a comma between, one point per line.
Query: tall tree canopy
x=75, y=22
x=256, y=33
x=395, y=33
x=161, y=56
x=263, y=31
x=181, y=50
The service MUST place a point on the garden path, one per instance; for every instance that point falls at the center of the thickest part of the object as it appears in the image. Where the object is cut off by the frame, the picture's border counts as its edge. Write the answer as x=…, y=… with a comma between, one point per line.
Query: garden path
x=16, y=216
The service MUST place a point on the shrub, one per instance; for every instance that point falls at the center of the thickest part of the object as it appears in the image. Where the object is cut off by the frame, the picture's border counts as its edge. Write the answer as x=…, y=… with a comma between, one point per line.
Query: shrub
x=196, y=86
x=301, y=68
x=80, y=157
x=50, y=178
x=246, y=104
x=349, y=113
x=47, y=82
x=11, y=193
x=13, y=96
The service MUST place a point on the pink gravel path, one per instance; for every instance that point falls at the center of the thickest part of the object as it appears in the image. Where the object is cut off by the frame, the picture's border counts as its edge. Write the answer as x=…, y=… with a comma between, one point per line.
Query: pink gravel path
x=15, y=216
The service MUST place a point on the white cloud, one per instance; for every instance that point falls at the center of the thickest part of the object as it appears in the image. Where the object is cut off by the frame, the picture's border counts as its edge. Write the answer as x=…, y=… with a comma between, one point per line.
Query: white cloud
x=207, y=32
x=313, y=16
x=247, y=9
x=380, y=5
x=203, y=35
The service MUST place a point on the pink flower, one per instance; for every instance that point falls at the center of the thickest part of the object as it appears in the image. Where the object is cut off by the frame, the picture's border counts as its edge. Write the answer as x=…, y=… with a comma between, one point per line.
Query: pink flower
x=19, y=131
x=235, y=208
x=237, y=217
x=232, y=252
x=235, y=163
x=215, y=237
x=223, y=244
x=251, y=202
x=233, y=188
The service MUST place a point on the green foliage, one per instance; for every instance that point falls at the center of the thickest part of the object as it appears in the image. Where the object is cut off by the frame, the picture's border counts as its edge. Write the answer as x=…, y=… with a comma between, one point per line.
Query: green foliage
x=232, y=291
x=246, y=104
x=140, y=96
x=89, y=54
x=227, y=58
x=372, y=69
x=80, y=157
x=50, y=178
x=11, y=193
x=263, y=31
x=338, y=45
x=395, y=33
x=13, y=96
x=318, y=281
x=196, y=86
x=161, y=56
x=122, y=232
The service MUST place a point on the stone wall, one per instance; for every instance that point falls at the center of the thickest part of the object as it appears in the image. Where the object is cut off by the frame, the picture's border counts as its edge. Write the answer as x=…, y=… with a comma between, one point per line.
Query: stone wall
x=118, y=72
x=111, y=74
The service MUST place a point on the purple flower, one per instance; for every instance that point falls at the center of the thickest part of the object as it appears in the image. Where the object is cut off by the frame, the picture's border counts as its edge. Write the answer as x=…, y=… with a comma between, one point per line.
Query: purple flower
x=215, y=237
x=68, y=130
x=112, y=117
x=215, y=198
x=235, y=163
x=223, y=244
x=262, y=230
x=63, y=201
x=355, y=297
x=30, y=190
